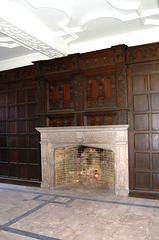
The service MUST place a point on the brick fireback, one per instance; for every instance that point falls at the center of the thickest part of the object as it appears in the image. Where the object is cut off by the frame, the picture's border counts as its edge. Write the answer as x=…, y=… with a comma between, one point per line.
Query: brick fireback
x=93, y=167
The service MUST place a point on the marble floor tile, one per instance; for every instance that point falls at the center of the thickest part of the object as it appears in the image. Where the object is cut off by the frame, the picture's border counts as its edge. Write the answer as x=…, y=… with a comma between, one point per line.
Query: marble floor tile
x=28, y=213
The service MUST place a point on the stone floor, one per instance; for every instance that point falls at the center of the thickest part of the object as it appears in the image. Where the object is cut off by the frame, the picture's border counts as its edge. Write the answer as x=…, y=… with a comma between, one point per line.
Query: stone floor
x=75, y=214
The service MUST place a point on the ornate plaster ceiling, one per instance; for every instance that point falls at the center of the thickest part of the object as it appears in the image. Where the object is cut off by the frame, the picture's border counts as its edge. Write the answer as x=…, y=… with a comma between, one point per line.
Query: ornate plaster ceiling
x=42, y=29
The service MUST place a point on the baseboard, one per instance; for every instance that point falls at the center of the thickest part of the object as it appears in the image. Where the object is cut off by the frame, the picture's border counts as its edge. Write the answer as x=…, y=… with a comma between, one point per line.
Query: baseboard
x=20, y=182
x=144, y=194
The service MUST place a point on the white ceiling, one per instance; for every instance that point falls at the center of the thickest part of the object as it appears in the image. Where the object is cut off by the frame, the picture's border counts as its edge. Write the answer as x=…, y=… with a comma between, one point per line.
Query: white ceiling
x=33, y=30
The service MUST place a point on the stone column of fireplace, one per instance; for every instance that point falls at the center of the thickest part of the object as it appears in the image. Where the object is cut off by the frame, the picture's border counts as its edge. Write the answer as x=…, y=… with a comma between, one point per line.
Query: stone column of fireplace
x=114, y=137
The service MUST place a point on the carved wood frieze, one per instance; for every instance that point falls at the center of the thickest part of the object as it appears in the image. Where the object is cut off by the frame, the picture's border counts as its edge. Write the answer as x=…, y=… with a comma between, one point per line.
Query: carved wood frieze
x=119, y=53
x=96, y=59
x=54, y=67
x=122, y=88
x=78, y=92
x=41, y=91
x=61, y=121
x=122, y=117
x=100, y=119
x=18, y=74
x=142, y=53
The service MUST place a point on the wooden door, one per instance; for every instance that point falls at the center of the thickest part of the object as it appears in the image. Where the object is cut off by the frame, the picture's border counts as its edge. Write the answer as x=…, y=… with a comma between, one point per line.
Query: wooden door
x=143, y=84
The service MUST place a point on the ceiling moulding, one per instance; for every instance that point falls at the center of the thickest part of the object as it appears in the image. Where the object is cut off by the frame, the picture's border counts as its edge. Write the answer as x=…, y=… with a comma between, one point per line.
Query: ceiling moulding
x=63, y=8
x=28, y=41
x=143, y=8
x=125, y=5
x=7, y=43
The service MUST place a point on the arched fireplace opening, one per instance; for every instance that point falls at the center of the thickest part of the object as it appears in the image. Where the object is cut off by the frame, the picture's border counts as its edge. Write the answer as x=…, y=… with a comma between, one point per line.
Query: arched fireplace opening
x=84, y=166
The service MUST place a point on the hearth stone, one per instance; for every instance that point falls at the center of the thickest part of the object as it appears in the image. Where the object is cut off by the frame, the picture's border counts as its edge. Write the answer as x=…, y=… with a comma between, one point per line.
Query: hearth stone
x=109, y=137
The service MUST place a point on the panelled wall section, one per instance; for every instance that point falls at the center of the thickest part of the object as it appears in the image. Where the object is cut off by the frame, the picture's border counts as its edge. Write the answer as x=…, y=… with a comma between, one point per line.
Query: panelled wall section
x=119, y=85
x=19, y=141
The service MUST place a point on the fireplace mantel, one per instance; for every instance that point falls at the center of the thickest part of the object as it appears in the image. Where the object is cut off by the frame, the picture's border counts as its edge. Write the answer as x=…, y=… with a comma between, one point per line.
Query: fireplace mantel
x=110, y=137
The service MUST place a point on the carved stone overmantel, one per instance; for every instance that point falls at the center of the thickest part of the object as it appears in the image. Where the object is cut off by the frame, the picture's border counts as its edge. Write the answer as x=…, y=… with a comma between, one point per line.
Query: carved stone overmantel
x=113, y=138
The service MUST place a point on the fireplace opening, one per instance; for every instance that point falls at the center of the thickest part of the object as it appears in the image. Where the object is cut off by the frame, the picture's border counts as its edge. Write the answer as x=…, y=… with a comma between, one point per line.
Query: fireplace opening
x=84, y=166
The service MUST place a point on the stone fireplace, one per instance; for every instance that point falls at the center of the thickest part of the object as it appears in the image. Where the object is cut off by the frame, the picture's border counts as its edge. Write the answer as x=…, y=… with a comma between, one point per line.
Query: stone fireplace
x=106, y=137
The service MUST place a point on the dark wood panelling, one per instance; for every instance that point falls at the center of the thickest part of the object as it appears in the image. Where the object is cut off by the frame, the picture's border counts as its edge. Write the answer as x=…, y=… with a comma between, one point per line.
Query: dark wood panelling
x=13, y=155
x=4, y=155
x=83, y=89
x=142, y=180
x=18, y=119
x=155, y=161
x=21, y=98
x=142, y=161
x=11, y=112
x=141, y=102
x=3, y=128
x=141, y=122
x=3, y=113
x=144, y=132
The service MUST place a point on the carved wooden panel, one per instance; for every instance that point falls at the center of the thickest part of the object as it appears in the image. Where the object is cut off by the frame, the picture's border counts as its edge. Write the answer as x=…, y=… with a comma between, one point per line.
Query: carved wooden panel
x=61, y=121
x=19, y=74
x=121, y=88
x=100, y=119
x=79, y=93
x=61, y=95
x=81, y=83
x=100, y=91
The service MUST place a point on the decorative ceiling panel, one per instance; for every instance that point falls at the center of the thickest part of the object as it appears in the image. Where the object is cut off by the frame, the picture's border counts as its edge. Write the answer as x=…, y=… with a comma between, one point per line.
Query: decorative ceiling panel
x=56, y=28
